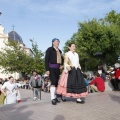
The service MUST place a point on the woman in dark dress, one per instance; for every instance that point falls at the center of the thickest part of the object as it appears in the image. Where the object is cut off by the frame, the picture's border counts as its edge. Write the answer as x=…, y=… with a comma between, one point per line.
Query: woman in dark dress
x=72, y=83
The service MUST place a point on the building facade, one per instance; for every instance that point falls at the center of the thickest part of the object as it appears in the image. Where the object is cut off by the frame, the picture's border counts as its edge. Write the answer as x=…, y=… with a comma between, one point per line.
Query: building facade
x=13, y=35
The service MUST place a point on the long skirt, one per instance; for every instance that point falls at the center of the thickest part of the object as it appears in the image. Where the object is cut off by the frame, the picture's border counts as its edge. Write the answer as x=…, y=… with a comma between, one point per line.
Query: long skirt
x=11, y=97
x=72, y=84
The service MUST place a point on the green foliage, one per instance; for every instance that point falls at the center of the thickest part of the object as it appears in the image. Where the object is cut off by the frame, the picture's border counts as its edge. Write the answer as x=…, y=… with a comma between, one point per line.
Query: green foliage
x=13, y=58
x=38, y=58
x=98, y=36
x=113, y=17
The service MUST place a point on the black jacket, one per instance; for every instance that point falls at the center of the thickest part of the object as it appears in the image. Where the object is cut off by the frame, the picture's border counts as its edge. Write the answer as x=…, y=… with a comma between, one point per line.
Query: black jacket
x=51, y=57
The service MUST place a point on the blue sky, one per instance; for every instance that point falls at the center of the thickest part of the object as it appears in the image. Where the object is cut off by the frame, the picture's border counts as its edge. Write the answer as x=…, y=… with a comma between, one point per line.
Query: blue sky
x=44, y=20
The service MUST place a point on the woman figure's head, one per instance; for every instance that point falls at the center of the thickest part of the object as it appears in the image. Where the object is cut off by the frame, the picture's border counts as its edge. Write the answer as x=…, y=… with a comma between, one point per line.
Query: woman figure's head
x=72, y=47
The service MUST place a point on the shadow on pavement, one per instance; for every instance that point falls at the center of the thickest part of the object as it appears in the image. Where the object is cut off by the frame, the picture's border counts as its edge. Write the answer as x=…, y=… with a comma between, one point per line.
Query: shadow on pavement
x=26, y=99
x=59, y=117
x=115, y=98
x=16, y=112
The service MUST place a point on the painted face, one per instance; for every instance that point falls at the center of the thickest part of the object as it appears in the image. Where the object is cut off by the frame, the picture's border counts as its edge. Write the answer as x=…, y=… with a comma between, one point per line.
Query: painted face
x=72, y=48
x=56, y=43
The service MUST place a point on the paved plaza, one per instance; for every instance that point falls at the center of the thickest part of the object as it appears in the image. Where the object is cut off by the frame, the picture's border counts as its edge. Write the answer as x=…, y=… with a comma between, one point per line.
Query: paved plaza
x=98, y=106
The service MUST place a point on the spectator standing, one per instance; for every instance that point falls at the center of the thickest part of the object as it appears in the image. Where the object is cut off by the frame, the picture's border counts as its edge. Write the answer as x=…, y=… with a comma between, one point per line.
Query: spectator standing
x=35, y=84
x=47, y=84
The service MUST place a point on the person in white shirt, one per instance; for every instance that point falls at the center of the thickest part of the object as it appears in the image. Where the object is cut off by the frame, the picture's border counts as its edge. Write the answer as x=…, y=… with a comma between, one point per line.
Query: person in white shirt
x=9, y=89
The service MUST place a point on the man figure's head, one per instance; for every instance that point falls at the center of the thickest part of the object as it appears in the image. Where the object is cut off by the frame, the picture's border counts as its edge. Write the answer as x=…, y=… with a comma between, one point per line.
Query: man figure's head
x=34, y=72
x=55, y=42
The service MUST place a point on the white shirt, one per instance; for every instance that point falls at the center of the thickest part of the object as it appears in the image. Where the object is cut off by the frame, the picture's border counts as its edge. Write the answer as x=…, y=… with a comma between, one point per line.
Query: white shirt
x=9, y=86
x=73, y=58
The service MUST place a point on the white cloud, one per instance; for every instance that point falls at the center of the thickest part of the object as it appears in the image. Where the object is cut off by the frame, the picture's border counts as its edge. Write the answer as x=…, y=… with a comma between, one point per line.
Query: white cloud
x=62, y=6
x=89, y=8
x=72, y=7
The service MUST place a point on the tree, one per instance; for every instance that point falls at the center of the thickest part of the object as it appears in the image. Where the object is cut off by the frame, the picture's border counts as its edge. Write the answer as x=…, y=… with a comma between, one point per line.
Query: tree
x=13, y=58
x=98, y=36
x=38, y=58
x=113, y=18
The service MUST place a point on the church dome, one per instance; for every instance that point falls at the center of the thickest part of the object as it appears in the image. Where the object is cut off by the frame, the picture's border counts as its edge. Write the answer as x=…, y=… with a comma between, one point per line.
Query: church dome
x=14, y=36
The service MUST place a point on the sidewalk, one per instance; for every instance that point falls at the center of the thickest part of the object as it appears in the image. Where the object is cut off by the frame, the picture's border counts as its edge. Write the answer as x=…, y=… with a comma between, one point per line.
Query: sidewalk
x=98, y=106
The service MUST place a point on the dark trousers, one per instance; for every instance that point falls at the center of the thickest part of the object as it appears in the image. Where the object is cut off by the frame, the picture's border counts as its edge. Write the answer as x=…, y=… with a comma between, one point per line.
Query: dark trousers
x=54, y=76
x=115, y=83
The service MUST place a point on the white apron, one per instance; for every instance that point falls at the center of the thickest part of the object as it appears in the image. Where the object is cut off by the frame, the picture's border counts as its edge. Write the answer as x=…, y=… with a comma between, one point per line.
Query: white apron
x=11, y=94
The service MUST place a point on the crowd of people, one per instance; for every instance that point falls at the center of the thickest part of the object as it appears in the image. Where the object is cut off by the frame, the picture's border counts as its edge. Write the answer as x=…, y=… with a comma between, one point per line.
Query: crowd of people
x=10, y=84
x=72, y=82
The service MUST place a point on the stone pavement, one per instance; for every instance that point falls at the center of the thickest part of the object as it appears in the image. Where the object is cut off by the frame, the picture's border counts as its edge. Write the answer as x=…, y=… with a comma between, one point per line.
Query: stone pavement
x=98, y=106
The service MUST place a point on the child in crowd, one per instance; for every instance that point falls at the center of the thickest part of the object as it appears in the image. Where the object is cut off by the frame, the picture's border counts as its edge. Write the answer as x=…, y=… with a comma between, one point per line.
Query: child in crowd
x=27, y=83
x=86, y=79
x=47, y=84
